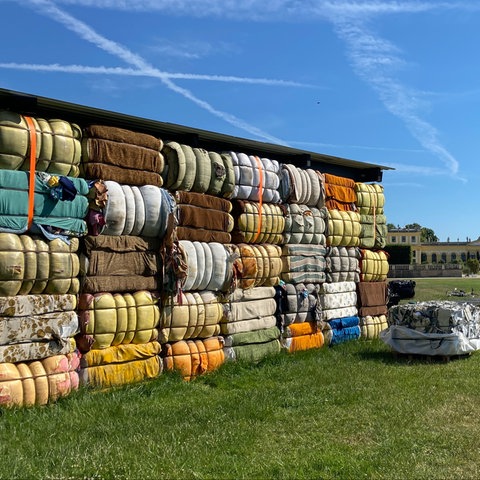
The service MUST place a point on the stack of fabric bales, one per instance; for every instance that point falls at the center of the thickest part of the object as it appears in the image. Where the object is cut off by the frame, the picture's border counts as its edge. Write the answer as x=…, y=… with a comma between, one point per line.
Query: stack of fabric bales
x=249, y=328
x=43, y=206
x=303, y=255
x=121, y=259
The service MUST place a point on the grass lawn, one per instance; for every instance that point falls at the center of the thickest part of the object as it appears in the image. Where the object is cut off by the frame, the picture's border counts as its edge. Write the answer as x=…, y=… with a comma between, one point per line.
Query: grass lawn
x=348, y=412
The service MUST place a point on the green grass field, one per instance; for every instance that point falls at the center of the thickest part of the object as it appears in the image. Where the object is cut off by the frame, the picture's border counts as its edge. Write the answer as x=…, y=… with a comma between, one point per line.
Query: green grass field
x=348, y=412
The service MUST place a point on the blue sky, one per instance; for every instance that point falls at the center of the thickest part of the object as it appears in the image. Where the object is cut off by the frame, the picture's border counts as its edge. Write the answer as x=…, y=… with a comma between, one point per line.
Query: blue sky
x=388, y=82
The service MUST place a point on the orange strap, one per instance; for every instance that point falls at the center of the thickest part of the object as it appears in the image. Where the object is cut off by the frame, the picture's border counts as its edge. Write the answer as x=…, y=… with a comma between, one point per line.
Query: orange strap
x=260, y=198
x=31, y=179
x=374, y=215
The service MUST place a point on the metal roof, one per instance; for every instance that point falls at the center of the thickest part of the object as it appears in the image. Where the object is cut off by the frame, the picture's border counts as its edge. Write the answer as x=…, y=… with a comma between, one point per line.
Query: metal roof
x=34, y=105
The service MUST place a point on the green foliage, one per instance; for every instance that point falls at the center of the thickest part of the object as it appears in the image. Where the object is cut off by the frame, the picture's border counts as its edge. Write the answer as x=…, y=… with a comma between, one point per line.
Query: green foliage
x=428, y=235
x=399, y=254
x=473, y=265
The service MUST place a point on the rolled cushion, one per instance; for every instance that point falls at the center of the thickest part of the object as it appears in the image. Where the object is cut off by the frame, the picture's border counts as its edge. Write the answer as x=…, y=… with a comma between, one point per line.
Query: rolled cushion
x=371, y=326
x=373, y=265
x=305, y=225
x=342, y=264
x=343, y=228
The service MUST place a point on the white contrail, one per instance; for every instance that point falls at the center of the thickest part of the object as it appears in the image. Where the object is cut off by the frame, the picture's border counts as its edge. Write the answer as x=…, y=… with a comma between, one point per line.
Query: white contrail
x=87, y=33
x=55, y=67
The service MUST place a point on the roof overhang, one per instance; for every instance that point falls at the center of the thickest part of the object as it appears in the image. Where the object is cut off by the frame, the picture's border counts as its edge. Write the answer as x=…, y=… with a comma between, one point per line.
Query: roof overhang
x=29, y=104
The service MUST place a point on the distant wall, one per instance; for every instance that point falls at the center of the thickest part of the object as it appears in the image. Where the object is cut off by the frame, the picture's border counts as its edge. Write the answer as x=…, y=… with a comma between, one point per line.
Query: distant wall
x=422, y=271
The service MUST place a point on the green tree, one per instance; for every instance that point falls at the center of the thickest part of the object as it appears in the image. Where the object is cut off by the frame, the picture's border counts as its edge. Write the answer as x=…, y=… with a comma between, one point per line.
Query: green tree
x=413, y=226
x=473, y=265
x=428, y=235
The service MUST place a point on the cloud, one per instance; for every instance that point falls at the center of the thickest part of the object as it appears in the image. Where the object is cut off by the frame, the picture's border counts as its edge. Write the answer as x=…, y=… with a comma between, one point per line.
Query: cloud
x=45, y=7
x=360, y=147
x=85, y=69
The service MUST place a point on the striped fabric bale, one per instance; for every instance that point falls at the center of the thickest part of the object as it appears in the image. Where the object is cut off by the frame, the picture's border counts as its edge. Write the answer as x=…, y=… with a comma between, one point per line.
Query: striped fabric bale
x=252, y=346
x=297, y=303
x=192, y=358
x=138, y=211
x=257, y=223
x=257, y=265
x=121, y=155
x=373, y=265
x=120, y=365
x=256, y=179
x=28, y=384
x=303, y=263
x=343, y=228
x=197, y=170
x=120, y=263
x=372, y=325
x=302, y=336
x=190, y=315
x=203, y=218
x=341, y=330
x=35, y=265
x=34, y=327
x=302, y=186
x=338, y=300
x=107, y=319
x=56, y=144
x=249, y=310
x=372, y=298
x=340, y=193
x=204, y=266
x=305, y=225
x=60, y=204
x=342, y=264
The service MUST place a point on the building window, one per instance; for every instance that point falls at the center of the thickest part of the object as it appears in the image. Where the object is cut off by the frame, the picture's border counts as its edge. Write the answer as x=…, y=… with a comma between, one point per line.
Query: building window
x=404, y=239
x=454, y=257
x=444, y=257
x=424, y=257
x=463, y=256
x=414, y=239
x=434, y=258
x=394, y=239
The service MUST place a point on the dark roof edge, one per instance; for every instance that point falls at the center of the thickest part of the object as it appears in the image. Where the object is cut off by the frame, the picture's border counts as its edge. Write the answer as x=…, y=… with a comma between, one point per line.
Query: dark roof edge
x=31, y=104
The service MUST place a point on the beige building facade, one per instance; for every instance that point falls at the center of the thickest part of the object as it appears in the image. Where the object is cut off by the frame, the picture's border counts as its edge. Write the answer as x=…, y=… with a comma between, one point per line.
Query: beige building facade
x=434, y=252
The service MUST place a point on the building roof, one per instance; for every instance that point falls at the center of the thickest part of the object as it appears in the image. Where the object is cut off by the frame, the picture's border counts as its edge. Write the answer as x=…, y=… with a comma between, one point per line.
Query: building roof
x=34, y=105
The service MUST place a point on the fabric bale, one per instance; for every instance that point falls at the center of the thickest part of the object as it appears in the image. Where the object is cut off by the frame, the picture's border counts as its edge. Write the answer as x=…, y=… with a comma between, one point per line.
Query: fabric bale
x=340, y=193
x=252, y=346
x=120, y=365
x=192, y=358
x=302, y=336
x=107, y=319
x=249, y=310
x=257, y=223
x=204, y=266
x=256, y=179
x=343, y=228
x=297, y=303
x=373, y=231
x=342, y=264
x=373, y=265
x=305, y=225
x=302, y=186
x=222, y=182
x=190, y=315
x=257, y=265
x=202, y=217
x=27, y=384
x=372, y=298
x=57, y=147
x=35, y=265
x=303, y=263
x=121, y=155
x=344, y=329
x=338, y=300
x=138, y=211
x=372, y=325
x=33, y=327
x=52, y=214
x=370, y=198
x=120, y=263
